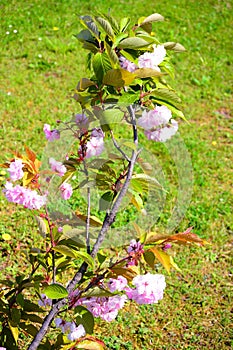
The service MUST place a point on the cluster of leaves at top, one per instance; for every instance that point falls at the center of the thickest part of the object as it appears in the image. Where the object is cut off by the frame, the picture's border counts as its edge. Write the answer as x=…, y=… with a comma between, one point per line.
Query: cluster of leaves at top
x=107, y=41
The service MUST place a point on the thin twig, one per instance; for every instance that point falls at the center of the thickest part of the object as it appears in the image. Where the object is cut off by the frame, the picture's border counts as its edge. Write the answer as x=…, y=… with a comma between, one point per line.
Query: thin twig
x=118, y=147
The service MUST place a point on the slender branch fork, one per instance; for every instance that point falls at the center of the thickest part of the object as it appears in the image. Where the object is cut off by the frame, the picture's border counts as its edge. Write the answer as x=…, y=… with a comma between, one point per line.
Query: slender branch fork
x=108, y=221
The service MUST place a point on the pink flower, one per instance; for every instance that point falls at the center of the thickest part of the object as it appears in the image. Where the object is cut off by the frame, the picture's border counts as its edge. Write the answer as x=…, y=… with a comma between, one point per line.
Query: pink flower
x=15, y=170
x=44, y=301
x=51, y=135
x=95, y=146
x=156, y=117
x=104, y=307
x=118, y=284
x=21, y=195
x=152, y=59
x=57, y=167
x=76, y=332
x=149, y=288
x=126, y=64
x=135, y=251
x=66, y=190
x=64, y=325
x=163, y=134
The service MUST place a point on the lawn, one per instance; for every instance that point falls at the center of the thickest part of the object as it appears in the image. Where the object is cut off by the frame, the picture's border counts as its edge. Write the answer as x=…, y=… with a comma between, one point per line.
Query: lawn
x=41, y=63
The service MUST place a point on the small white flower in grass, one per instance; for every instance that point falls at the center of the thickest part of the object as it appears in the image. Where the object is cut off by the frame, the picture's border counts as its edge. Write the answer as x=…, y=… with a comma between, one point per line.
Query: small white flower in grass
x=8, y=93
x=10, y=26
x=39, y=39
x=7, y=33
x=40, y=56
x=15, y=31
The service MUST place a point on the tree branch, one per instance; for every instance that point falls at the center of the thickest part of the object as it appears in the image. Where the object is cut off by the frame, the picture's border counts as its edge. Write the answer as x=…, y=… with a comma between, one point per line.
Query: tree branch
x=109, y=219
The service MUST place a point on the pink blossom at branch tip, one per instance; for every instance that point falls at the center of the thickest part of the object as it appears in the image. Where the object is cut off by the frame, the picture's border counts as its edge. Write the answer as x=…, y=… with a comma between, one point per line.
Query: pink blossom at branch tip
x=60, y=229
x=118, y=284
x=105, y=307
x=127, y=65
x=152, y=59
x=15, y=170
x=95, y=145
x=163, y=134
x=57, y=167
x=76, y=332
x=21, y=195
x=2, y=348
x=51, y=135
x=149, y=288
x=44, y=301
x=66, y=190
x=156, y=117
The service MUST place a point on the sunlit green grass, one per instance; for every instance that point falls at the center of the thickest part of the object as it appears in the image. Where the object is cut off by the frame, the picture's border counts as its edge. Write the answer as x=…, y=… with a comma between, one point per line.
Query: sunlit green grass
x=40, y=66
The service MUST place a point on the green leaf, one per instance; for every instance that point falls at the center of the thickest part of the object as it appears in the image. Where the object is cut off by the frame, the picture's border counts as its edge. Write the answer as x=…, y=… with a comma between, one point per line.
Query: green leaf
x=101, y=64
x=147, y=73
x=14, y=330
x=84, y=83
x=85, y=257
x=31, y=317
x=15, y=315
x=155, y=17
x=129, y=98
x=143, y=183
x=106, y=201
x=149, y=258
x=124, y=24
x=88, y=22
x=110, y=117
x=64, y=250
x=29, y=328
x=112, y=55
x=118, y=77
x=42, y=225
x=31, y=307
x=112, y=21
x=106, y=26
x=20, y=300
x=118, y=38
x=174, y=46
x=85, y=35
x=55, y=291
x=133, y=43
x=85, y=318
x=165, y=259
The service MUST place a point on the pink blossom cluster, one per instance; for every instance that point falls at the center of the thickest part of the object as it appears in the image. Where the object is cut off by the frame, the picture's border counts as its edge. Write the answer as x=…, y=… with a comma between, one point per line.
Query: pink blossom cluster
x=57, y=167
x=118, y=284
x=152, y=59
x=158, y=124
x=75, y=332
x=16, y=170
x=135, y=250
x=105, y=307
x=95, y=145
x=147, y=60
x=66, y=190
x=127, y=65
x=21, y=195
x=149, y=288
x=44, y=301
x=51, y=135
